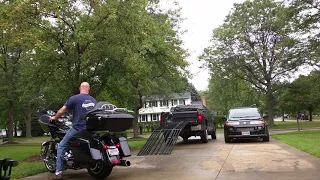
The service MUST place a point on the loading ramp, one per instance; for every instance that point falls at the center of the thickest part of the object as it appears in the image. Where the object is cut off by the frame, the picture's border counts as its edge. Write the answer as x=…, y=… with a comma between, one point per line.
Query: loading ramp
x=163, y=139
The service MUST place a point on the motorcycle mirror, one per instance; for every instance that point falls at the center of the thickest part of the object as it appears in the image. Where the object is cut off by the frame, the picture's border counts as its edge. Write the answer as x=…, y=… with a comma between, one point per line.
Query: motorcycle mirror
x=50, y=112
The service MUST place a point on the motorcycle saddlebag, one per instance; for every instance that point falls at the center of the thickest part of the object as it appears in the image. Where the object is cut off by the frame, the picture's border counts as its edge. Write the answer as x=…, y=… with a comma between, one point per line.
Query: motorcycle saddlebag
x=125, y=150
x=83, y=150
x=112, y=122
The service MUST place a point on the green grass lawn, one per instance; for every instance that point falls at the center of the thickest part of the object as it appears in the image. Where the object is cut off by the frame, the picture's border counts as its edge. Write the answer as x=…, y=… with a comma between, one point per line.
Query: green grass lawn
x=20, y=152
x=316, y=117
x=28, y=148
x=136, y=144
x=307, y=141
x=288, y=125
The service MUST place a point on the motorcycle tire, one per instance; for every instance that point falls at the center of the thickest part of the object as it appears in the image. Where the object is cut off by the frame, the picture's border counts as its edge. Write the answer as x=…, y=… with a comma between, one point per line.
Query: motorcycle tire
x=100, y=171
x=50, y=162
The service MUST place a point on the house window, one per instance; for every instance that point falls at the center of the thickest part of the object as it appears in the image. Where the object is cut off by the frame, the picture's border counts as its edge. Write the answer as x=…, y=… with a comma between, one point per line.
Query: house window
x=174, y=102
x=145, y=105
x=155, y=117
x=153, y=104
x=182, y=101
x=163, y=103
x=143, y=118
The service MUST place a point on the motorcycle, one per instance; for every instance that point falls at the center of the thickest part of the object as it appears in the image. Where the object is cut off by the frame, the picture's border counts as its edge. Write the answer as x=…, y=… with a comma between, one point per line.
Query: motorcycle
x=95, y=148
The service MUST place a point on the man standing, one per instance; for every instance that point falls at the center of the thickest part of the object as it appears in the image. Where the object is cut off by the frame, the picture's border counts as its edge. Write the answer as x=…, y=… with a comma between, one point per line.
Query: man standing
x=79, y=104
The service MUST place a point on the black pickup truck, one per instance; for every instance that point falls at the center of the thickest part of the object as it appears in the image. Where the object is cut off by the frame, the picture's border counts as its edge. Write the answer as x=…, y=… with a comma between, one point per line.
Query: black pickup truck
x=200, y=121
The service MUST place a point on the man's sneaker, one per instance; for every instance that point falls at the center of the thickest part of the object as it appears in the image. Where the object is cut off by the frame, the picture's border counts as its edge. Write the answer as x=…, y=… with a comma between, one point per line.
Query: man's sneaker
x=55, y=176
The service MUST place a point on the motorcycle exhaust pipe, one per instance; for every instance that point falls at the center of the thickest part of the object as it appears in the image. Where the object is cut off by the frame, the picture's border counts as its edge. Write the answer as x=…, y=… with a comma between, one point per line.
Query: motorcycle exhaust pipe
x=124, y=163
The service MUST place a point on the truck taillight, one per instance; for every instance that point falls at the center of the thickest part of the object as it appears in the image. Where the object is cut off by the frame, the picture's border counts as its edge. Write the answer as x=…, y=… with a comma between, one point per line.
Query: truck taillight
x=200, y=118
x=161, y=118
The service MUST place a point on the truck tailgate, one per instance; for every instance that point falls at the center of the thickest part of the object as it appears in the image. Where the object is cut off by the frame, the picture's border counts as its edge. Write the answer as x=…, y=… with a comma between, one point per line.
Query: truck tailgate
x=191, y=116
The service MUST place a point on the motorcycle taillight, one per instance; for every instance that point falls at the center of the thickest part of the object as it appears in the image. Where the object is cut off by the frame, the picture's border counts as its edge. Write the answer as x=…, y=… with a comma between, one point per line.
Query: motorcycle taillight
x=104, y=147
x=115, y=161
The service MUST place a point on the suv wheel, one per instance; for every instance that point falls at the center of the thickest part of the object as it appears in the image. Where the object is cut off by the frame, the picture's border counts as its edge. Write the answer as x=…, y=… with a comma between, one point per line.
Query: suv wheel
x=204, y=136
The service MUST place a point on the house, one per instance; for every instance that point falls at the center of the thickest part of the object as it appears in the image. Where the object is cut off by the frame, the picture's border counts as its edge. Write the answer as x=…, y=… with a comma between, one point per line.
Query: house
x=154, y=105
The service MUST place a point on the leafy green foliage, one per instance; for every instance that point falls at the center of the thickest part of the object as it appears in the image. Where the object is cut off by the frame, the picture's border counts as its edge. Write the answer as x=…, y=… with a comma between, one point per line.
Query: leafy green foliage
x=226, y=91
x=301, y=95
x=256, y=43
x=306, y=22
x=124, y=49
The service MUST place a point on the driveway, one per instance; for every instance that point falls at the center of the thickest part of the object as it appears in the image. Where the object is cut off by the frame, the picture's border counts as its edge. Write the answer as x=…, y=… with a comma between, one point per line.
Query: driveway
x=216, y=161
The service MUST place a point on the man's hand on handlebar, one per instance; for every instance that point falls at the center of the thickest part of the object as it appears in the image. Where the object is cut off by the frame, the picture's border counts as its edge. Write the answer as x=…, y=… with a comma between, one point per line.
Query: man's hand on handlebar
x=52, y=118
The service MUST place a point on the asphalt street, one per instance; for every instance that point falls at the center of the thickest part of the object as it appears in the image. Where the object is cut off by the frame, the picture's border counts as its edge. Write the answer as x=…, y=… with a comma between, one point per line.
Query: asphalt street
x=215, y=160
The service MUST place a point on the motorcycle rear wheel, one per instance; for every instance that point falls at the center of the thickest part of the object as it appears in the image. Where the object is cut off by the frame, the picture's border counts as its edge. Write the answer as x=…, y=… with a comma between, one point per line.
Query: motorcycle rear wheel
x=100, y=170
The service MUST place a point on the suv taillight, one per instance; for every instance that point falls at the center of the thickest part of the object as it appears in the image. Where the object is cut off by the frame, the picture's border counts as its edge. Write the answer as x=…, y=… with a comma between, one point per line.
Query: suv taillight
x=200, y=117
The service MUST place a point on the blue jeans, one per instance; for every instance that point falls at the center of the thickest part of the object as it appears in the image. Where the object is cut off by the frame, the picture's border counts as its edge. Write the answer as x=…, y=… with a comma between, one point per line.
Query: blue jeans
x=63, y=145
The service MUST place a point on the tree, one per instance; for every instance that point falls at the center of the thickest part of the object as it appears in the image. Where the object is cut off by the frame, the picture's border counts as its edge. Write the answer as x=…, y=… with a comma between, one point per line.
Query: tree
x=302, y=95
x=125, y=49
x=227, y=90
x=306, y=22
x=257, y=44
x=16, y=37
x=154, y=60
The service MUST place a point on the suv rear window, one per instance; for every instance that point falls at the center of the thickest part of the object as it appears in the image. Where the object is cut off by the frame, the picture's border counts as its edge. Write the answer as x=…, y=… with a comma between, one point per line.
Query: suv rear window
x=244, y=112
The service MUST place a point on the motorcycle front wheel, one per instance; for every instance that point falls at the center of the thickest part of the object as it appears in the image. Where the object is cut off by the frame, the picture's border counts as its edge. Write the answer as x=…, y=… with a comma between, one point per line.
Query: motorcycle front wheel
x=100, y=170
x=50, y=162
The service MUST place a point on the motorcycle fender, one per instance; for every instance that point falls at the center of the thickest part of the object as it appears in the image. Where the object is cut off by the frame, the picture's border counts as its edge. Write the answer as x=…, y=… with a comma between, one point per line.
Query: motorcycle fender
x=45, y=147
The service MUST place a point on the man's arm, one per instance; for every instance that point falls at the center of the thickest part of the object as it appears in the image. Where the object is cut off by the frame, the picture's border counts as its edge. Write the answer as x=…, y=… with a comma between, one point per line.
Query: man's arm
x=61, y=111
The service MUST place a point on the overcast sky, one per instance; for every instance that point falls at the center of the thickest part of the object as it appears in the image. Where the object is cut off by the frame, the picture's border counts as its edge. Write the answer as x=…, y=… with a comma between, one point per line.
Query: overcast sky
x=201, y=17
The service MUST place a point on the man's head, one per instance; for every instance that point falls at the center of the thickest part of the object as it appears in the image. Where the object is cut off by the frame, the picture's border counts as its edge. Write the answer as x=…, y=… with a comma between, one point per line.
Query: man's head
x=84, y=88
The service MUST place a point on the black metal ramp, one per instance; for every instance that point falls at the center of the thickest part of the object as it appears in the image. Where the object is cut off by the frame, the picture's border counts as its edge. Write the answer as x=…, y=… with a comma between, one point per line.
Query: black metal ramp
x=163, y=139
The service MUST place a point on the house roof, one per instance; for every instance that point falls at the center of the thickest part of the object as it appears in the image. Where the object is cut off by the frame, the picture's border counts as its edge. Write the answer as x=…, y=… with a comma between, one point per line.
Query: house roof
x=185, y=95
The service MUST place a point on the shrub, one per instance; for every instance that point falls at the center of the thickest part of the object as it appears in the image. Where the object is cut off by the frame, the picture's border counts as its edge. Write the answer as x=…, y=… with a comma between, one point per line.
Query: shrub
x=219, y=120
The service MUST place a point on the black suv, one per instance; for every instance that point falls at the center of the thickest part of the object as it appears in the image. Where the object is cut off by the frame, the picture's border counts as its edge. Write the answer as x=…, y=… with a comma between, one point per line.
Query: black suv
x=245, y=122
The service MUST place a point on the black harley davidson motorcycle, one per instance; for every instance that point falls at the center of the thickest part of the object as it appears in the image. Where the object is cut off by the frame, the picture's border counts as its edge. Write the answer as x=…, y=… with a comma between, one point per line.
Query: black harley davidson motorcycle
x=95, y=148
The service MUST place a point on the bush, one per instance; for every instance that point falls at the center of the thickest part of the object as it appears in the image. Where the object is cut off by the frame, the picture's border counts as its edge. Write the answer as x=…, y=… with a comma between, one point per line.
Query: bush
x=219, y=120
x=120, y=134
x=149, y=126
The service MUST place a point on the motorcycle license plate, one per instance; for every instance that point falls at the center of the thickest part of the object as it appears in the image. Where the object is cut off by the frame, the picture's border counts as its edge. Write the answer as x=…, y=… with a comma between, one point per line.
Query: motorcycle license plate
x=245, y=132
x=113, y=152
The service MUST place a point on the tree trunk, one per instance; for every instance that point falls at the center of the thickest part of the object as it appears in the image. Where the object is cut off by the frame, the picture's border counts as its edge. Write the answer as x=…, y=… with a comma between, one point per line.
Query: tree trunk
x=136, y=124
x=298, y=123
x=270, y=99
x=138, y=105
x=10, y=122
x=28, y=124
x=15, y=130
x=310, y=115
x=282, y=117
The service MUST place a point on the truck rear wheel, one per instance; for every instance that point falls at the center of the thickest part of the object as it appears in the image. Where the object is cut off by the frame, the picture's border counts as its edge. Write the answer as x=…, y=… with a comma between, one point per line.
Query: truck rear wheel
x=204, y=136
x=213, y=135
